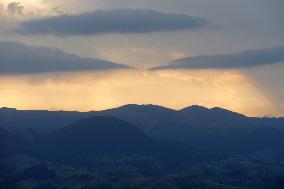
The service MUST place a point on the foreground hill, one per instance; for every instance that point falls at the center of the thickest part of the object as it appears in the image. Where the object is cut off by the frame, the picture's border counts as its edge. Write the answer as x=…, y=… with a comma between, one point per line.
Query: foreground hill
x=109, y=153
x=100, y=137
x=10, y=143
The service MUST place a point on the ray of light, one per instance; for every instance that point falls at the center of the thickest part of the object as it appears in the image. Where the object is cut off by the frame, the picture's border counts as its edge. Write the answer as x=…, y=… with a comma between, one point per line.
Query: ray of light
x=88, y=91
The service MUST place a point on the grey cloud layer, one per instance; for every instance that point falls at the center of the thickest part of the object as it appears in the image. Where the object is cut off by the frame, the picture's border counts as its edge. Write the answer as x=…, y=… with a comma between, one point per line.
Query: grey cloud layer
x=16, y=58
x=245, y=59
x=112, y=21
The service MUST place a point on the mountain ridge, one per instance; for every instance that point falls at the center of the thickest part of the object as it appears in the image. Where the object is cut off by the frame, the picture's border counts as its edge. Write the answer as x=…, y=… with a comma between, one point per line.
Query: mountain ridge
x=99, y=138
x=203, y=128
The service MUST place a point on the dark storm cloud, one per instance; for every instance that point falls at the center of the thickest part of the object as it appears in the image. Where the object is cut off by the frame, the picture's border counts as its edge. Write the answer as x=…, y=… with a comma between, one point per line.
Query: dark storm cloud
x=244, y=59
x=16, y=58
x=112, y=21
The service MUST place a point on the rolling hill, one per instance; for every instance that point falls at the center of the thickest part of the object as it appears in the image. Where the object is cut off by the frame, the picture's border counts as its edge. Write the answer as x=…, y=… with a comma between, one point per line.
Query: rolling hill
x=213, y=130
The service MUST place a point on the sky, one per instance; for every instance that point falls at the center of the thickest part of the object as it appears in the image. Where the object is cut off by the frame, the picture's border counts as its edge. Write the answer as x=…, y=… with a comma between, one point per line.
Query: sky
x=97, y=54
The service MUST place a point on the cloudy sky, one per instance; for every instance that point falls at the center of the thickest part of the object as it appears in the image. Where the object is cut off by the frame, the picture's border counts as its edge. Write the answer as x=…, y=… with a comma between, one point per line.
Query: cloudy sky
x=97, y=54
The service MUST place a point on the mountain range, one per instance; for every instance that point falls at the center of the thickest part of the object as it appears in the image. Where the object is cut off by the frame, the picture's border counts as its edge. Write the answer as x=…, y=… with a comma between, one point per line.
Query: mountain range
x=213, y=130
x=140, y=146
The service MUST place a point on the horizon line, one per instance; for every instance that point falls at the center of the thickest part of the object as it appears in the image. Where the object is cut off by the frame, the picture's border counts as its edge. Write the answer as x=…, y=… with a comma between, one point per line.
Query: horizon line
x=117, y=107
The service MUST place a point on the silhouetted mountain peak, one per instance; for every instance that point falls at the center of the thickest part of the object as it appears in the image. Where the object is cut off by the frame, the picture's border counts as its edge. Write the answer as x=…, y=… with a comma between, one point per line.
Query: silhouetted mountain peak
x=99, y=129
x=225, y=112
x=143, y=107
x=194, y=108
x=93, y=137
x=216, y=112
x=141, y=114
x=106, y=136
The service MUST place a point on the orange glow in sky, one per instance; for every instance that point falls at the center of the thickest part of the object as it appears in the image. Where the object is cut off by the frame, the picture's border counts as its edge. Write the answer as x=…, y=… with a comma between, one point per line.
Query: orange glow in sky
x=97, y=91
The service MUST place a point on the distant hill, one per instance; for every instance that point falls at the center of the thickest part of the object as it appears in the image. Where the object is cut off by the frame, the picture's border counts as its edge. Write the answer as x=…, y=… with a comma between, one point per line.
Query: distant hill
x=145, y=116
x=212, y=130
x=214, y=114
x=41, y=121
